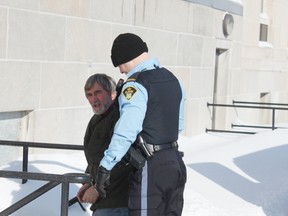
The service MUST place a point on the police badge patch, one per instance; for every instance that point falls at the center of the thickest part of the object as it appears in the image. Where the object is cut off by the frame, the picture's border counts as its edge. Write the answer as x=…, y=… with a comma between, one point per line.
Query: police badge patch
x=129, y=92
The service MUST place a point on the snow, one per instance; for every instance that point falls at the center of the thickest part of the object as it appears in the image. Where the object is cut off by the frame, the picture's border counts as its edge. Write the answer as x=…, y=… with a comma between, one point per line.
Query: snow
x=227, y=175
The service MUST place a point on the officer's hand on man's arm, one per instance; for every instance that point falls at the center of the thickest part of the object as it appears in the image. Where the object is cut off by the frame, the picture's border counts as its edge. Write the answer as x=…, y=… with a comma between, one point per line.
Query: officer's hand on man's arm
x=102, y=181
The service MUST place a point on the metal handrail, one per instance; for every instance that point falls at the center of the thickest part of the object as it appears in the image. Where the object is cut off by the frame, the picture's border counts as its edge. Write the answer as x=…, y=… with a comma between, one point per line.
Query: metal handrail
x=229, y=131
x=259, y=103
x=53, y=179
x=26, y=146
x=245, y=106
x=252, y=126
x=274, y=107
x=41, y=145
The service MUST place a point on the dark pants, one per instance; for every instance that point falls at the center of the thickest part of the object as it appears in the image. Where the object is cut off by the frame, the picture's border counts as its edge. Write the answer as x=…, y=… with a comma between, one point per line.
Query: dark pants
x=111, y=212
x=157, y=189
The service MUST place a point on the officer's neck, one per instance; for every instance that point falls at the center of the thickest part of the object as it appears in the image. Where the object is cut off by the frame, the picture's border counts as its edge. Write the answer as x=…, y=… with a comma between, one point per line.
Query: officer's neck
x=134, y=62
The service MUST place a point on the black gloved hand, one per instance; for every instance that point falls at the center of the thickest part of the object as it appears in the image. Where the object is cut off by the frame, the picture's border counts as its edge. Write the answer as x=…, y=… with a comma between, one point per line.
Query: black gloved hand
x=102, y=181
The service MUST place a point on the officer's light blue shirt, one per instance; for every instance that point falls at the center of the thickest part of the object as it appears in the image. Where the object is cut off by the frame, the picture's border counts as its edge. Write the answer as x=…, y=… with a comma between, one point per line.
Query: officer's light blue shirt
x=132, y=108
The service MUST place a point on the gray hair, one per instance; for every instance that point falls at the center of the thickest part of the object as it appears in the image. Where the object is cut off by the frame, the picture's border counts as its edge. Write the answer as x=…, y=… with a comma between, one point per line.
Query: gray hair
x=107, y=83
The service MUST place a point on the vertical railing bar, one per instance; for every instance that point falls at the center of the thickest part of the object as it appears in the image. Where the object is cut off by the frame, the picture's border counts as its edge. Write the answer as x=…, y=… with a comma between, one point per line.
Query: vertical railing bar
x=25, y=162
x=273, y=119
x=64, y=199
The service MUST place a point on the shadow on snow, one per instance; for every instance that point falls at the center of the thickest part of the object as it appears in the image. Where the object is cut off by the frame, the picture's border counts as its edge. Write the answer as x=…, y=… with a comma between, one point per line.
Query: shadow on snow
x=268, y=167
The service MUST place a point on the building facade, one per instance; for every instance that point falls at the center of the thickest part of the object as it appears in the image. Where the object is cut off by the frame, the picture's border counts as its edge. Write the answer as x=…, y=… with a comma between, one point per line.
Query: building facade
x=221, y=50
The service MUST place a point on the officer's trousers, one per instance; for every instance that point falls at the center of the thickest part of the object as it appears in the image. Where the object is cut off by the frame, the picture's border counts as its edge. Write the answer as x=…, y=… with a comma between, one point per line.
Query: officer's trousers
x=111, y=212
x=157, y=189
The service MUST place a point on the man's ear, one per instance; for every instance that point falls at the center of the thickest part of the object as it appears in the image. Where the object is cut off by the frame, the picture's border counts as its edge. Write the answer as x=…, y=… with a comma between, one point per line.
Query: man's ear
x=114, y=95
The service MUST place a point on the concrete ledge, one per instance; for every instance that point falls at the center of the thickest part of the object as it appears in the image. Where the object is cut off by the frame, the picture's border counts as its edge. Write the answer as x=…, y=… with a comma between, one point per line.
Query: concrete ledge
x=232, y=6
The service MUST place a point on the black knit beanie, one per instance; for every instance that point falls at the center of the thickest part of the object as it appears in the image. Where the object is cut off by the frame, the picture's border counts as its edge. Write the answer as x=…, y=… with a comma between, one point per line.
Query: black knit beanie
x=126, y=47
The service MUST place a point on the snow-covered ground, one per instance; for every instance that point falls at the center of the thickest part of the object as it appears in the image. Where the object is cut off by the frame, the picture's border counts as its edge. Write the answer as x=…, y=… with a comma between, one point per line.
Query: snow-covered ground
x=228, y=175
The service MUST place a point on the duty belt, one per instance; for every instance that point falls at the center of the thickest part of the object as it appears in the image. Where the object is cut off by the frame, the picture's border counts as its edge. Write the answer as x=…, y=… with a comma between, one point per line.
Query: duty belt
x=155, y=148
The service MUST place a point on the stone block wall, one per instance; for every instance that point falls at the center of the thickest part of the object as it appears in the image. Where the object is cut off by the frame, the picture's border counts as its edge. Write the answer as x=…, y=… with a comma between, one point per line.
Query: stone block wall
x=48, y=48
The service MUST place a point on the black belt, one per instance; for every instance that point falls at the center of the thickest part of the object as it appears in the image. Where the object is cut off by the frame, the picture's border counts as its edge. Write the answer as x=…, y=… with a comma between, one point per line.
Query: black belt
x=155, y=148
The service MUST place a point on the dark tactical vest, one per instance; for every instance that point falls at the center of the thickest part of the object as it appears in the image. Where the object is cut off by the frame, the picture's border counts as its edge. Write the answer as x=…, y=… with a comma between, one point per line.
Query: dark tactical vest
x=161, y=122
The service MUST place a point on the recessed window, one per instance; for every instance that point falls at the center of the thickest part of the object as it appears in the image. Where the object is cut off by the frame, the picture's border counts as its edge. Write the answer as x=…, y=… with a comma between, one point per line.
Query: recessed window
x=263, y=32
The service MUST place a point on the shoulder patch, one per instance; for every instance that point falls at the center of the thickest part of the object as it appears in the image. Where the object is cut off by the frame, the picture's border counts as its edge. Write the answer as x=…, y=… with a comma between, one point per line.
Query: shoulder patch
x=129, y=92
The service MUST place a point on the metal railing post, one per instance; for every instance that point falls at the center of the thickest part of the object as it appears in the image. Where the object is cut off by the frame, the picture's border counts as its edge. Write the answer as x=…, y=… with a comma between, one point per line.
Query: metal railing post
x=273, y=119
x=64, y=199
x=25, y=162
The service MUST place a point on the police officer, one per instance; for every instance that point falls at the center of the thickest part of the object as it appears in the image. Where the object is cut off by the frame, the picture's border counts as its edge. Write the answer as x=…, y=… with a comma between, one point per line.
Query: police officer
x=151, y=104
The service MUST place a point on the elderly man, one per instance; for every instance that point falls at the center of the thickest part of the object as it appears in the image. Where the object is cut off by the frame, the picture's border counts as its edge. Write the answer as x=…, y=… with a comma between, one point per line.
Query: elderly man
x=100, y=91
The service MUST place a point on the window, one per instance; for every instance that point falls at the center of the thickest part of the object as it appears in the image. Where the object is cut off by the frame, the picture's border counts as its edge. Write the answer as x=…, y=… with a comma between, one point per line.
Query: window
x=263, y=32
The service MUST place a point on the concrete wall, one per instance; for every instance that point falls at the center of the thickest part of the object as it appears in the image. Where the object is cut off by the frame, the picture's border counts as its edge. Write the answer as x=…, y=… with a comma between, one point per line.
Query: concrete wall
x=263, y=65
x=48, y=48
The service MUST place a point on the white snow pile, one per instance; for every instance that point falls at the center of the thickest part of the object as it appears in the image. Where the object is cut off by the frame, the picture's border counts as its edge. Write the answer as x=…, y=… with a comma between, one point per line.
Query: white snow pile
x=228, y=175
